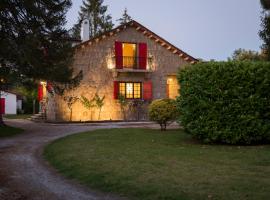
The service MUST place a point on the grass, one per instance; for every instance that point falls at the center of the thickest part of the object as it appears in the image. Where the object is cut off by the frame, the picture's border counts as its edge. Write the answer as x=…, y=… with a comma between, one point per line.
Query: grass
x=148, y=165
x=7, y=131
x=20, y=116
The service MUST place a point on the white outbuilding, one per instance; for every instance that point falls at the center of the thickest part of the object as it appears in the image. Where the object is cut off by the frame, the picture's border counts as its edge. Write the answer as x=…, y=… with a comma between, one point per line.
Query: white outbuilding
x=10, y=102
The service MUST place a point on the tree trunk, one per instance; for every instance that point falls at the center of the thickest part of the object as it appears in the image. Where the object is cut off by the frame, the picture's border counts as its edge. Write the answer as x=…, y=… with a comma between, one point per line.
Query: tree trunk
x=1, y=120
x=34, y=106
x=163, y=126
x=99, y=114
x=1, y=116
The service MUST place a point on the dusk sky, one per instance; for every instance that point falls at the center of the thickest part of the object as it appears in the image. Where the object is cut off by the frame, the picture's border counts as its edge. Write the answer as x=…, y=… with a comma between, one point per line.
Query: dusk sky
x=207, y=29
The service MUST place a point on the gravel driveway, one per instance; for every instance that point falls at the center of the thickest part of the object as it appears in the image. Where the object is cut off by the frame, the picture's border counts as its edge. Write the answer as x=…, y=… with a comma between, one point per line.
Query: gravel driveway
x=25, y=175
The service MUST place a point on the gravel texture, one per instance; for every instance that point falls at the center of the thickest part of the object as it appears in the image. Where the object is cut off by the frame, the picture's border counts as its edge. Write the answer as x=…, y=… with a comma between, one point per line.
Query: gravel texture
x=25, y=175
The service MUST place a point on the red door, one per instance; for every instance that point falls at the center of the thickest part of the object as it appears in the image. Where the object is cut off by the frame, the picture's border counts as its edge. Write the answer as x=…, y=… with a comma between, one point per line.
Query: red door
x=2, y=106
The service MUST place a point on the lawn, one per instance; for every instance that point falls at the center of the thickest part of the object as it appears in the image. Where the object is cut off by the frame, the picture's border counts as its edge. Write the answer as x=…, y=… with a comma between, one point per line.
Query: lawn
x=7, y=131
x=20, y=116
x=148, y=164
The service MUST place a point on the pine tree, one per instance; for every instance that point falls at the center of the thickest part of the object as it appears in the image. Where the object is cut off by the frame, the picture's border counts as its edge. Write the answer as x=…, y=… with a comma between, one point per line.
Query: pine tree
x=33, y=40
x=99, y=20
x=265, y=24
x=125, y=18
x=265, y=4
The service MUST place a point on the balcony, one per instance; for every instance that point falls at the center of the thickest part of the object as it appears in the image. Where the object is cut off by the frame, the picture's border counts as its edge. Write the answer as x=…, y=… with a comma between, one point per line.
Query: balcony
x=132, y=64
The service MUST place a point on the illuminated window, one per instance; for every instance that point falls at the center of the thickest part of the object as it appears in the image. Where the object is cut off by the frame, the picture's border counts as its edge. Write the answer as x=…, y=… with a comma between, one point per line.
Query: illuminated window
x=172, y=87
x=130, y=90
x=129, y=55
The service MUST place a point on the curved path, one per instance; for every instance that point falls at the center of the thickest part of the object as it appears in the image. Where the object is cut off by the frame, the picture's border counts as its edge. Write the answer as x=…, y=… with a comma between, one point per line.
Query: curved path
x=24, y=175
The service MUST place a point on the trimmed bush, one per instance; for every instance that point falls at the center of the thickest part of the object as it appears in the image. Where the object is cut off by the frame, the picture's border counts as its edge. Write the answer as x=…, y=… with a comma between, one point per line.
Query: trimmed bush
x=163, y=111
x=227, y=102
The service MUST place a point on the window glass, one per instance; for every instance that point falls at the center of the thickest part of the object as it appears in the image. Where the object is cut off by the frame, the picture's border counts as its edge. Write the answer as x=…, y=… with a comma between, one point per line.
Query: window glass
x=137, y=90
x=172, y=87
x=129, y=55
x=130, y=90
x=122, y=89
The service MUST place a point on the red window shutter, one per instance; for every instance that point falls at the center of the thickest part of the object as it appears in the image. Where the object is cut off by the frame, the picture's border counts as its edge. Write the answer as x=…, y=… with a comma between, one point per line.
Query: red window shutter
x=118, y=55
x=142, y=55
x=2, y=106
x=147, y=90
x=115, y=89
x=40, y=92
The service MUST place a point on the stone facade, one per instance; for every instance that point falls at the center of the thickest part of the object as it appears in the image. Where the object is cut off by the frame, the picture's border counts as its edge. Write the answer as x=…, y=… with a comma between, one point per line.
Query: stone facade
x=96, y=59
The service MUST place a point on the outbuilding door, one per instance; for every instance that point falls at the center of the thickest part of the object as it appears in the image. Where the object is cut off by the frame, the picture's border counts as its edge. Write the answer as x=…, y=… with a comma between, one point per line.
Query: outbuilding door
x=2, y=106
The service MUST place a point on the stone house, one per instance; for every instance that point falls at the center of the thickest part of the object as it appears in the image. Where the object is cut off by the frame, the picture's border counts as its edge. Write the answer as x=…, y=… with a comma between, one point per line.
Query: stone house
x=130, y=61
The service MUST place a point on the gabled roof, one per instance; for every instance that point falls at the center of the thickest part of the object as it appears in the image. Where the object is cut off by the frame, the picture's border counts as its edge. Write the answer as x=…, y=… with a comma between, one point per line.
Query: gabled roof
x=145, y=31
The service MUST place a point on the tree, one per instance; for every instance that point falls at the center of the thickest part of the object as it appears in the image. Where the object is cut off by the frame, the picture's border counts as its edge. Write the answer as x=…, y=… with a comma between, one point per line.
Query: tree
x=99, y=101
x=125, y=18
x=7, y=76
x=29, y=91
x=70, y=101
x=265, y=24
x=95, y=12
x=88, y=104
x=123, y=105
x=265, y=4
x=247, y=55
x=33, y=40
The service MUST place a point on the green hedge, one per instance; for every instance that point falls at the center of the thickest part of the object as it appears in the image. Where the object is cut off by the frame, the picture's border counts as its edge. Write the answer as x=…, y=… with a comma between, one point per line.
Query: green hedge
x=226, y=102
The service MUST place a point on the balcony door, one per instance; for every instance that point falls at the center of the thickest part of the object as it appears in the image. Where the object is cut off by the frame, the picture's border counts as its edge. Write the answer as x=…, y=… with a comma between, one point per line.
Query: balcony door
x=129, y=55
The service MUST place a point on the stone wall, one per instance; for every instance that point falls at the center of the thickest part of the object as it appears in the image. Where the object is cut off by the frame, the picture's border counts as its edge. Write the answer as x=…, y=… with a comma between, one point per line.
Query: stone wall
x=95, y=60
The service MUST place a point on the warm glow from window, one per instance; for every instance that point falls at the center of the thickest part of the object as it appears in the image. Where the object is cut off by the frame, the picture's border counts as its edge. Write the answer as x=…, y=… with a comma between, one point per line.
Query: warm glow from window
x=172, y=87
x=129, y=55
x=122, y=89
x=130, y=90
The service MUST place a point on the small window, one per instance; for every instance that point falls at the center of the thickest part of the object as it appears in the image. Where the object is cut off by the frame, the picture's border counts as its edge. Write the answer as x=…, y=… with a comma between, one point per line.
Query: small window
x=130, y=90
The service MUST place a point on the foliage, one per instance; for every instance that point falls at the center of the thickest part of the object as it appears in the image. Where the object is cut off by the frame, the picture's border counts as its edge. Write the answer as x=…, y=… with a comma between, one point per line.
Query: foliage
x=95, y=12
x=136, y=108
x=226, y=102
x=88, y=103
x=99, y=101
x=33, y=39
x=247, y=55
x=265, y=4
x=163, y=111
x=123, y=105
x=29, y=93
x=7, y=76
x=70, y=101
x=145, y=164
x=125, y=18
x=264, y=33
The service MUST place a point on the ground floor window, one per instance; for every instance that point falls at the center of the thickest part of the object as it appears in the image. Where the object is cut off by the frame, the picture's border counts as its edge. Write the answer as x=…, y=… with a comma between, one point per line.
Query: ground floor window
x=172, y=87
x=131, y=90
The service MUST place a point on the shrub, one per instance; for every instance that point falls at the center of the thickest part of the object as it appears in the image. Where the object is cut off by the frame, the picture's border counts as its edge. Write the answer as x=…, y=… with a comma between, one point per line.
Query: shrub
x=226, y=102
x=163, y=111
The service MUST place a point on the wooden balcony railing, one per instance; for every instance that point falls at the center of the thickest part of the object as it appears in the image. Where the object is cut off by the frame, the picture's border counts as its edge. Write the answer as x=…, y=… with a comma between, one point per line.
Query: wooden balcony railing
x=132, y=62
